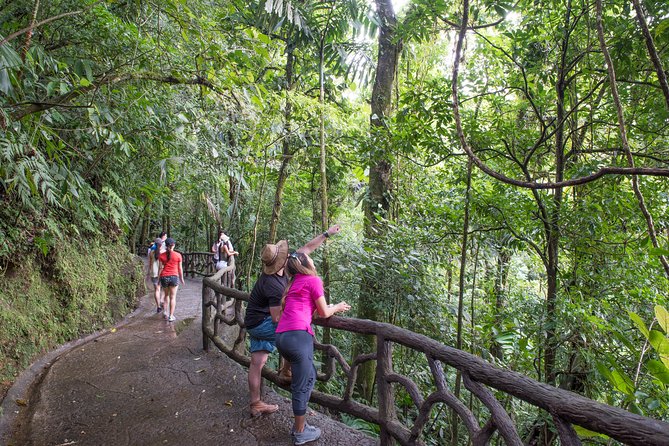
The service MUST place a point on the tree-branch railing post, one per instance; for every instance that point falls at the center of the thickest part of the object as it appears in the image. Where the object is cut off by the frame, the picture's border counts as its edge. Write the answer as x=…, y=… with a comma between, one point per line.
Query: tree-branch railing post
x=480, y=377
x=384, y=367
x=207, y=293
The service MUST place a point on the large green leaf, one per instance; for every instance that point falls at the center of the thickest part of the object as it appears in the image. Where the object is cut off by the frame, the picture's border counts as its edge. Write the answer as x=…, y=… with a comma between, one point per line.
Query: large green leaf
x=662, y=317
x=665, y=360
x=585, y=433
x=639, y=323
x=659, y=342
x=5, y=83
x=9, y=60
x=622, y=382
x=658, y=370
x=659, y=251
x=617, y=378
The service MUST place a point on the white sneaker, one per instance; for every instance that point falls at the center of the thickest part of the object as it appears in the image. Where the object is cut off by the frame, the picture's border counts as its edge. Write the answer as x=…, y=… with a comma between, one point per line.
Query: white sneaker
x=171, y=319
x=309, y=434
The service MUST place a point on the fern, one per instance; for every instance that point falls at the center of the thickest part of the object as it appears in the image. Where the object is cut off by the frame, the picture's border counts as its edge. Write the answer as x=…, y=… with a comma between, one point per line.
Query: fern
x=116, y=209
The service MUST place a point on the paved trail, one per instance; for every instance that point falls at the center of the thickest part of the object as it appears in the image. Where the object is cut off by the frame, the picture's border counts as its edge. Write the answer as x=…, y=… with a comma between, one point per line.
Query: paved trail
x=149, y=382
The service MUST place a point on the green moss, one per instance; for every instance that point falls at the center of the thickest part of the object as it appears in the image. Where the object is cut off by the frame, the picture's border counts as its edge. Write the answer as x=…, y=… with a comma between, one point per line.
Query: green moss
x=78, y=288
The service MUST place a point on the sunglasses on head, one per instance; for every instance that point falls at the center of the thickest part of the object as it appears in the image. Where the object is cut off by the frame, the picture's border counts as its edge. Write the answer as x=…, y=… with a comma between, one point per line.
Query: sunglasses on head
x=296, y=255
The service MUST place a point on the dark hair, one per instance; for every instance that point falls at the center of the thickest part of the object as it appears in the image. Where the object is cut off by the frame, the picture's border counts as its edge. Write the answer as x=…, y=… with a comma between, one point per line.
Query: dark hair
x=297, y=263
x=162, y=234
x=169, y=244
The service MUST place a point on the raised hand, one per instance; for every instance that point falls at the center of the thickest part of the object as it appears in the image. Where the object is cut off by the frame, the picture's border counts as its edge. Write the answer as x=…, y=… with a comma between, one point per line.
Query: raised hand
x=332, y=230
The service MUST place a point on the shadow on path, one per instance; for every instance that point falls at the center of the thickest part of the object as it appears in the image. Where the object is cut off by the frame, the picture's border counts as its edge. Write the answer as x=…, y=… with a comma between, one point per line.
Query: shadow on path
x=148, y=382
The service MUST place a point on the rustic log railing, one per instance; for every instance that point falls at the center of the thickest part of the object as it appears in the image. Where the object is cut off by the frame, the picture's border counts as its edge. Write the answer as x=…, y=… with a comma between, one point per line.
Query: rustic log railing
x=193, y=263
x=225, y=328
x=197, y=263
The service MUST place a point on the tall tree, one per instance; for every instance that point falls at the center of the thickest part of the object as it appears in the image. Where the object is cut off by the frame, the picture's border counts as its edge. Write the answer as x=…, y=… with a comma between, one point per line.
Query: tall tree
x=288, y=151
x=378, y=202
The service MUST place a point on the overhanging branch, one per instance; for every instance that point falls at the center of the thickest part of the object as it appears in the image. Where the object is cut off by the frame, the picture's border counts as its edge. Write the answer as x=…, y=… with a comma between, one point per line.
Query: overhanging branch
x=646, y=171
x=64, y=99
x=44, y=22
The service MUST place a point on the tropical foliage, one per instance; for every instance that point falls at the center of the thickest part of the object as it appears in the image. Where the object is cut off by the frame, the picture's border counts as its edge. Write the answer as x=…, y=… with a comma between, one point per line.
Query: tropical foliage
x=499, y=168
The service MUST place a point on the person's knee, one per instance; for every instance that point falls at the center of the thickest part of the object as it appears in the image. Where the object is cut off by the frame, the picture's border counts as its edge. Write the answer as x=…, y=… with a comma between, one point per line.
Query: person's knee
x=259, y=359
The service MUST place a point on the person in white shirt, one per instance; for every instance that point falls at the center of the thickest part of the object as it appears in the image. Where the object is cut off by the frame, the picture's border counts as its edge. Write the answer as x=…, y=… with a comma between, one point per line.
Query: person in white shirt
x=222, y=250
x=153, y=270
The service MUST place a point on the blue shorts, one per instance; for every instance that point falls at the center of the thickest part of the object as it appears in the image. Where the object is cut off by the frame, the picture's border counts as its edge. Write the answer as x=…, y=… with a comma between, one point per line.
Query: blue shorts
x=168, y=281
x=262, y=336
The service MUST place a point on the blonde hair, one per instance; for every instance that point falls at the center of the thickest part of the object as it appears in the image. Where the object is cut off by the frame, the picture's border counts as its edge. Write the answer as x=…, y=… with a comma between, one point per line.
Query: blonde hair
x=297, y=263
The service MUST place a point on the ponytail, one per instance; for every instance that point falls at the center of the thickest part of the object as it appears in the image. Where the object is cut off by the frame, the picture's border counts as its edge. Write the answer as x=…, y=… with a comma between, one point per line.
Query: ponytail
x=285, y=293
x=169, y=243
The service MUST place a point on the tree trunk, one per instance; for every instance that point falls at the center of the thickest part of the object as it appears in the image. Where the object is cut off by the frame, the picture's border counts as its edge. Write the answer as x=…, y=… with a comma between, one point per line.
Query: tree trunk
x=233, y=194
x=234, y=187
x=144, y=231
x=623, y=130
x=652, y=51
x=378, y=201
x=234, y=228
x=29, y=34
x=553, y=230
x=449, y=281
x=499, y=292
x=325, y=267
x=254, y=236
x=461, y=296
x=472, y=312
x=287, y=151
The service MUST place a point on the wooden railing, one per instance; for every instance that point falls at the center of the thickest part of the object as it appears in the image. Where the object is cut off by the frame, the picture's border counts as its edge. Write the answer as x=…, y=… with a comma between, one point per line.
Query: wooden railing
x=198, y=263
x=193, y=263
x=213, y=298
x=225, y=328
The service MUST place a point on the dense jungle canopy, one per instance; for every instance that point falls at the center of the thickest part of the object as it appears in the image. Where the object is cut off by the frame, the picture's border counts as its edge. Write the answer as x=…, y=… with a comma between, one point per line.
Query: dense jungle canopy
x=499, y=168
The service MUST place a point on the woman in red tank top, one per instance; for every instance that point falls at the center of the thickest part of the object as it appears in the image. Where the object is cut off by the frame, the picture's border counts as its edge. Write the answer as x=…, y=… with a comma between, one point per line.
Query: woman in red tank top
x=171, y=273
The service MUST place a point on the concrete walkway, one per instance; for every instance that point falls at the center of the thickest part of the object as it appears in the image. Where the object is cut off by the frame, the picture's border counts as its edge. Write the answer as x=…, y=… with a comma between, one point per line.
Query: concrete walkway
x=148, y=382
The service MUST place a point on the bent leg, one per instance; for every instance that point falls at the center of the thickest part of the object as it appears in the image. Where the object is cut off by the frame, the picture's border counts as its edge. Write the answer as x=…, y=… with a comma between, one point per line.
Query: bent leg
x=258, y=360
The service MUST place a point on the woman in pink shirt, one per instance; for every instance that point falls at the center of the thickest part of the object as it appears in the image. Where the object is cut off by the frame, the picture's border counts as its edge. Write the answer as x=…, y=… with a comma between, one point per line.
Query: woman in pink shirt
x=295, y=337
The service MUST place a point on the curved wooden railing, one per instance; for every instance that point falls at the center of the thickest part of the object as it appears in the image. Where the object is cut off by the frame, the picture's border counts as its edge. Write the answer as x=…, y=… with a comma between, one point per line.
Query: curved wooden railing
x=225, y=328
x=193, y=263
x=197, y=263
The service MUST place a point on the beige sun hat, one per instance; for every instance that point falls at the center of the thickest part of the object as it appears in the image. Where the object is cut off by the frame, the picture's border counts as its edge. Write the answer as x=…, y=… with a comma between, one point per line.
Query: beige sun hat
x=274, y=257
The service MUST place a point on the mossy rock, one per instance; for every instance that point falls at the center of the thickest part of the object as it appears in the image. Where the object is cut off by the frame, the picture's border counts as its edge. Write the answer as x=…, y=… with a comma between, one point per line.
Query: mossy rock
x=76, y=289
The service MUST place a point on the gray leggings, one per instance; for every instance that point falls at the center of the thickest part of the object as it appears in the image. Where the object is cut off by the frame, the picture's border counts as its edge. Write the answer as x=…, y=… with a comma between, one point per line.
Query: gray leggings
x=298, y=347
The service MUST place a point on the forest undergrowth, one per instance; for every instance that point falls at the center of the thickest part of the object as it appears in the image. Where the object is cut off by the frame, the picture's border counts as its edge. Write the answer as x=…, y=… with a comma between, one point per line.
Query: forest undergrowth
x=76, y=289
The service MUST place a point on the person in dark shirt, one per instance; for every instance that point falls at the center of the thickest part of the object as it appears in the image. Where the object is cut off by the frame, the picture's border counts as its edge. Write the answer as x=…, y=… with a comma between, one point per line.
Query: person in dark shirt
x=264, y=309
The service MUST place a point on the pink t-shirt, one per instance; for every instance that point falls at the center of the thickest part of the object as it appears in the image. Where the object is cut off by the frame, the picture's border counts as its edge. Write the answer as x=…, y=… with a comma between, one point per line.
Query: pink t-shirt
x=301, y=304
